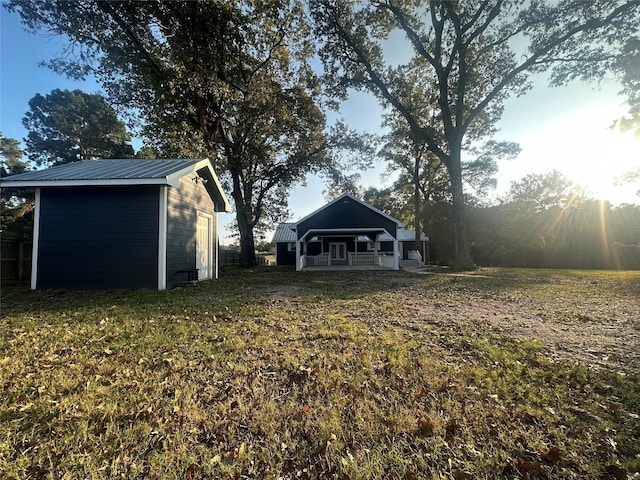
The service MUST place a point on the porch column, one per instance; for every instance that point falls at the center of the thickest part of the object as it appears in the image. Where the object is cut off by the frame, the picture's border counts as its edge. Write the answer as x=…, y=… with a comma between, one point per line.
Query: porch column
x=375, y=249
x=355, y=242
x=396, y=264
x=298, y=266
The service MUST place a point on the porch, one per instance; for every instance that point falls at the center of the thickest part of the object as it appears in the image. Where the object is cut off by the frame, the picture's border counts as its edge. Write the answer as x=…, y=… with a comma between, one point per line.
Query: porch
x=349, y=268
x=354, y=260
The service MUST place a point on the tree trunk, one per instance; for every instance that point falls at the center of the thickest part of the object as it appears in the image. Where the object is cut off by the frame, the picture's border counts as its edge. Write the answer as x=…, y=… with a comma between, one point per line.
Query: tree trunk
x=461, y=255
x=247, y=244
x=416, y=203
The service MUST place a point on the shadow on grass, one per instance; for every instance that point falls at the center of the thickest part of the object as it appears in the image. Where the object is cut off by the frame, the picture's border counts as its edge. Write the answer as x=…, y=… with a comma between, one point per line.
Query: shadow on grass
x=235, y=285
x=257, y=285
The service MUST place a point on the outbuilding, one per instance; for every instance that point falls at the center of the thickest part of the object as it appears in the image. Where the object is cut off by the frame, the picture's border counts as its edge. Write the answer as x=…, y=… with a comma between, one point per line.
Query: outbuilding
x=130, y=223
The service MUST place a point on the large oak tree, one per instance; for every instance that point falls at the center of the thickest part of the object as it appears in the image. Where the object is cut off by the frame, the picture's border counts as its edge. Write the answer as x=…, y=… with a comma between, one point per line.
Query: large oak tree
x=226, y=80
x=471, y=56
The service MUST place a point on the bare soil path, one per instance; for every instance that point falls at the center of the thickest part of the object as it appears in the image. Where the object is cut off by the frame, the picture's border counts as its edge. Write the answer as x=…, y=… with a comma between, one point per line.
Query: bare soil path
x=590, y=317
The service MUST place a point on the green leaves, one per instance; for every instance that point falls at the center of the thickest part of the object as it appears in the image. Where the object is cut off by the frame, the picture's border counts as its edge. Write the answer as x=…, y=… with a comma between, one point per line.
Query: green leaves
x=66, y=126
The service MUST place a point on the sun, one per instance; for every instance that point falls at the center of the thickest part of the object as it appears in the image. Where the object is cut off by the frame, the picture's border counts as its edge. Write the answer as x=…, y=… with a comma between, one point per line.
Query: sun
x=584, y=145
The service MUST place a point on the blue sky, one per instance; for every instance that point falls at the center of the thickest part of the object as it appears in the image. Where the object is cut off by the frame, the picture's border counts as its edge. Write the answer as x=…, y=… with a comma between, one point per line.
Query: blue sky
x=566, y=128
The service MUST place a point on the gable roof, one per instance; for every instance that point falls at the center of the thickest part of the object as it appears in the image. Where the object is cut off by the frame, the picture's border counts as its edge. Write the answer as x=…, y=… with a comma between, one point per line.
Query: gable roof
x=129, y=171
x=285, y=232
x=361, y=202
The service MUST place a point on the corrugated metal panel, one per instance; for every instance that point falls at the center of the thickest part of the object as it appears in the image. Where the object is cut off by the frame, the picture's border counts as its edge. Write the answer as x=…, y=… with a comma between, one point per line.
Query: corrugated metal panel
x=285, y=232
x=118, y=169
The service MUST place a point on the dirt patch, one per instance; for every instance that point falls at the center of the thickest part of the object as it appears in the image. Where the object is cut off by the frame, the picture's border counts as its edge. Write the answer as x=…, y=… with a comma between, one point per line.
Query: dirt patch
x=578, y=318
x=591, y=317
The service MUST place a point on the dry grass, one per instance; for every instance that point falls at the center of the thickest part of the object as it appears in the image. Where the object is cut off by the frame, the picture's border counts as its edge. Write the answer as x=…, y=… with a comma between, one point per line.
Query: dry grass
x=273, y=373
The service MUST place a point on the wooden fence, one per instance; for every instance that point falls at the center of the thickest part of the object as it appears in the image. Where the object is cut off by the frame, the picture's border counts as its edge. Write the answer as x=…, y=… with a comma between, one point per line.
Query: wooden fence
x=230, y=258
x=15, y=260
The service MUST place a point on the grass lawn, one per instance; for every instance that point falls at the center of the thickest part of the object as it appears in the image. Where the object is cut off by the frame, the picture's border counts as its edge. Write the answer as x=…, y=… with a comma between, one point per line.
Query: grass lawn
x=276, y=374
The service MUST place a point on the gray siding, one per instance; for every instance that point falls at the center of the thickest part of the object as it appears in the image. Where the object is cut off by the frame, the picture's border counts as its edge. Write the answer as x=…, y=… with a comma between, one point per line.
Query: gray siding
x=98, y=237
x=183, y=205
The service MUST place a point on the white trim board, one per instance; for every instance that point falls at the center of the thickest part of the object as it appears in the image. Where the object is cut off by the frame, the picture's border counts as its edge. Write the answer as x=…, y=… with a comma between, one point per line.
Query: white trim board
x=162, y=237
x=36, y=241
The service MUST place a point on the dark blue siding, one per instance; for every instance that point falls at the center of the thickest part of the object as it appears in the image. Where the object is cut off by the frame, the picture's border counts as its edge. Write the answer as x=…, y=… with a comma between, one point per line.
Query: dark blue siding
x=347, y=214
x=314, y=248
x=98, y=237
x=386, y=247
x=283, y=255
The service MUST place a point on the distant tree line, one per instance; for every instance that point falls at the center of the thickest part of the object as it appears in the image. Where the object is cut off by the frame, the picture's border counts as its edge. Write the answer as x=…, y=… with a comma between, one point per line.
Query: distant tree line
x=590, y=234
x=543, y=221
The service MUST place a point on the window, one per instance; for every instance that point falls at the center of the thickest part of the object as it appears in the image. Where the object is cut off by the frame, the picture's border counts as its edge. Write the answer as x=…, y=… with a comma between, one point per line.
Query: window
x=291, y=247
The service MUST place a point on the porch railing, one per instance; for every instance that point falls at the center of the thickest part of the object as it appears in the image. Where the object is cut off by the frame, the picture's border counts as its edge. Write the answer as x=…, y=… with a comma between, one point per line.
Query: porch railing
x=364, y=258
x=361, y=258
x=315, y=260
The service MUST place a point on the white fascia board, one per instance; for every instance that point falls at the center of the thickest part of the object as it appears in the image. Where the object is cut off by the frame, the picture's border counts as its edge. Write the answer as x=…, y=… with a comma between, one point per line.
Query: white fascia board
x=206, y=163
x=84, y=183
x=175, y=177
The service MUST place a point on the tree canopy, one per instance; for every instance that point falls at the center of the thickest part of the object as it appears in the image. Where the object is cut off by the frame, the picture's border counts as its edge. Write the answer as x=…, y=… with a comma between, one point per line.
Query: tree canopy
x=226, y=80
x=14, y=202
x=67, y=126
x=468, y=58
x=11, y=154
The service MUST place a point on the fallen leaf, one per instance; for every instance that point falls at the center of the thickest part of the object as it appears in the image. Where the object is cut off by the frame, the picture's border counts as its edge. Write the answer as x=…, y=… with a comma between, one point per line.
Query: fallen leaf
x=452, y=427
x=426, y=426
x=460, y=475
x=553, y=455
x=529, y=469
x=617, y=472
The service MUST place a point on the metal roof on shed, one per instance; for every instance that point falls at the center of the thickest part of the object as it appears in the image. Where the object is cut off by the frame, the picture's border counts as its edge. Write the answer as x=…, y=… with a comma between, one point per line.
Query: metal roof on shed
x=118, y=172
x=117, y=169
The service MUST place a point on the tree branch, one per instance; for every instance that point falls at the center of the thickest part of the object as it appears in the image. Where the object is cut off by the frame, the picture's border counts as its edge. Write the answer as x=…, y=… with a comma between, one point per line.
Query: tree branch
x=106, y=7
x=535, y=59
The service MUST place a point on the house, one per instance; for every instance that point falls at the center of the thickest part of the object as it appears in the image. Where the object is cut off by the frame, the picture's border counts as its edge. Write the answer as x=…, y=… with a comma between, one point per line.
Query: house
x=132, y=223
x=347, y=232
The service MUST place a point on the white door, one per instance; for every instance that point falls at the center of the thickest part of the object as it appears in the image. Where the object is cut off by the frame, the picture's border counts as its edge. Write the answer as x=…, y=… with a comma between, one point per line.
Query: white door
x=203, y=247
